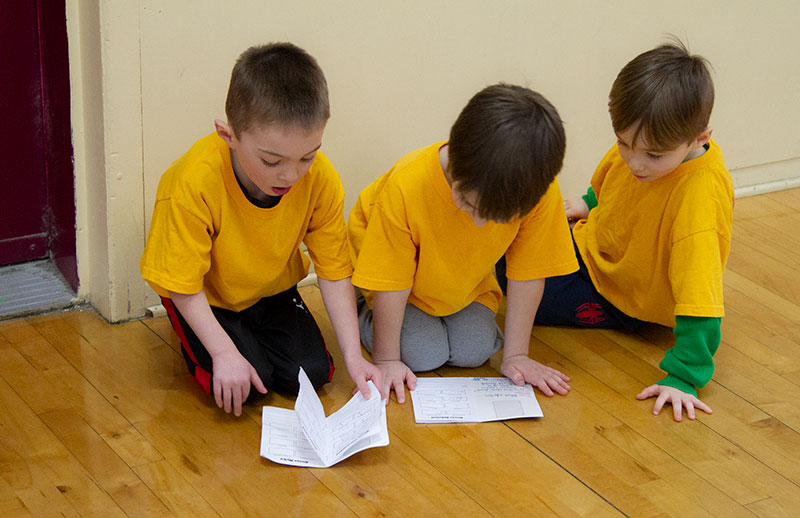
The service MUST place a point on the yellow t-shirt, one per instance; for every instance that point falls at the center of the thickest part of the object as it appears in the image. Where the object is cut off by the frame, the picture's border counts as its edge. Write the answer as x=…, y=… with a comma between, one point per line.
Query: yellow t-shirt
x=205, y=234
x=658, y=249
x=406, y=232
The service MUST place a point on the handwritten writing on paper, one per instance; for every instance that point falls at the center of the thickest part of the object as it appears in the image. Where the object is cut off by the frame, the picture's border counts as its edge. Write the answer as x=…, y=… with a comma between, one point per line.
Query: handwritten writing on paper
x=472, y=400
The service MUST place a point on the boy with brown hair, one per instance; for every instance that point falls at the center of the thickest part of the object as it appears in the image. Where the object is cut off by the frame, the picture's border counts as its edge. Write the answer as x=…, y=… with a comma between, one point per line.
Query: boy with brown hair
x=653, y=231
x=224, y=245
x=426, y=235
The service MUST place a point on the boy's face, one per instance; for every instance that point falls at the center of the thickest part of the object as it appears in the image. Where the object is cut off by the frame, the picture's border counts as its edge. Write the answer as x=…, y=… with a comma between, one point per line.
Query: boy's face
x=648, y=164
x=270, y=159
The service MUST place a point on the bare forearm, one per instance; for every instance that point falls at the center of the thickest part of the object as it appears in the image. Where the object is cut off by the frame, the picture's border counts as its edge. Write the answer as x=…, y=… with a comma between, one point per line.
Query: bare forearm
x=387, y=321
x=523, y=302
x=340, y=303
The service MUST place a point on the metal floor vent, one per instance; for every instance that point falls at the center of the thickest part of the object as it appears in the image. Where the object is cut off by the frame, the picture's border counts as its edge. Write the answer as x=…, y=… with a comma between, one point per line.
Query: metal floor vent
x=31, y=288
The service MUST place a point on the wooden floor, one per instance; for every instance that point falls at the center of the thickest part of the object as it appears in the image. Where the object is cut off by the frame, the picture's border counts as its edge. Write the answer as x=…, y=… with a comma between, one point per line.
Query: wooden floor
x=103, y=420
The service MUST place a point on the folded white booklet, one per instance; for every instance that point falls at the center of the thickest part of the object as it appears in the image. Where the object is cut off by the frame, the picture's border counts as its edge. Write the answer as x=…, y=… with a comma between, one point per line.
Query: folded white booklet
x=472, y=400
x=305, y=437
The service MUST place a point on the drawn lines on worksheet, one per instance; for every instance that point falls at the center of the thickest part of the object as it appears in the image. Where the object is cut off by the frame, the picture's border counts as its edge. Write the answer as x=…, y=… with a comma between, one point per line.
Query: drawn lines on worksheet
x=353, y=426
x=286, y=438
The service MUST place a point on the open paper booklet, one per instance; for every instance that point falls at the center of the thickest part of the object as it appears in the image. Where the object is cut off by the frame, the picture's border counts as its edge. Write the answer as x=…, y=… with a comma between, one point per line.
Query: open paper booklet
x=472, y=400
x=305, y=437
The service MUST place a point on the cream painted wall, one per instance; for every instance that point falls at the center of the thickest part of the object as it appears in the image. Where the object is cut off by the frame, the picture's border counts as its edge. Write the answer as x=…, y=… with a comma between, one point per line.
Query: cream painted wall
x=398, y=72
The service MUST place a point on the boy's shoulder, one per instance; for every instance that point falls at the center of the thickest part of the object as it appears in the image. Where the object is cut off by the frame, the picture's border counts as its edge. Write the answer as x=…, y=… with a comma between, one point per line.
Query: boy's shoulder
x=703, y=195
x=411, y=170
x=419, y=158
x=708, y=171
x=202, y=167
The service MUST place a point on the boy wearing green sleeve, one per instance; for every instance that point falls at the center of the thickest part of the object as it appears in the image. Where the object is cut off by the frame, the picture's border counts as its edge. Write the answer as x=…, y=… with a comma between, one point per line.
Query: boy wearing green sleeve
x=652, y=233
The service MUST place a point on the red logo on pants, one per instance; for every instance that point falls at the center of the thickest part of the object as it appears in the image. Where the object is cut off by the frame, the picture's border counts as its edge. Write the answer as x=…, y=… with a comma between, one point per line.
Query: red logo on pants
x=590, y=313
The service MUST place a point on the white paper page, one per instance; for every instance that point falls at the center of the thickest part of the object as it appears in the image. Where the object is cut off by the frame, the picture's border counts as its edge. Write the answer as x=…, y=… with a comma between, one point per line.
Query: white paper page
x=472, y=400
x=358, y=419
x=358, y=425
x=311, y=415
x=283, y=441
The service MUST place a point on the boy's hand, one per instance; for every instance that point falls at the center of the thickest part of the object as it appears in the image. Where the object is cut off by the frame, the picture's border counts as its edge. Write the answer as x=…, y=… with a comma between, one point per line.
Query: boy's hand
x=232, y=378
x=395, y=374
x=678, y=398
x=362, y=371
x=522, y=369
x=575, y=209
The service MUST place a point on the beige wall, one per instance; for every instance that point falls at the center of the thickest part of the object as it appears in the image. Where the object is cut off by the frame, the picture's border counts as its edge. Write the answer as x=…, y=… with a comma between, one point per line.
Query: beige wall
x=150, y=76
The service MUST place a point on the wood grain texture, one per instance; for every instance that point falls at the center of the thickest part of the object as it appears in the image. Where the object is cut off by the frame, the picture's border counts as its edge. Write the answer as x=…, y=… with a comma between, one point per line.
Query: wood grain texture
x=103, y=420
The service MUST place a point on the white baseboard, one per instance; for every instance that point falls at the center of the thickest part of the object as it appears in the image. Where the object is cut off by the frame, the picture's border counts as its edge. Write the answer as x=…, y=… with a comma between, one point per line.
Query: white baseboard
x=764, y=178
x=764, y=188
x=155, y=311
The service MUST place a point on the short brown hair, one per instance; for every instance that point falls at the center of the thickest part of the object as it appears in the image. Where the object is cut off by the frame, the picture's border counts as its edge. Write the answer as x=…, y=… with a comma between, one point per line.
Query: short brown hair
x=506, y=146
x=276, y=83
x=666, y=94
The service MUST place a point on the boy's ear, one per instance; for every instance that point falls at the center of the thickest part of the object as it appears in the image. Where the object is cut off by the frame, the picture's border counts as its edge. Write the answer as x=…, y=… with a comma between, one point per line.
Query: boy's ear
x=225, y=132
x=702, y=139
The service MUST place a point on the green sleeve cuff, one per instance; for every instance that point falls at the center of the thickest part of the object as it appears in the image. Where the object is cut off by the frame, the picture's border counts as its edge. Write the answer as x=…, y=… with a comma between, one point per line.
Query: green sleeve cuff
x=676, y=382
x=590, y=198
x=690, y=363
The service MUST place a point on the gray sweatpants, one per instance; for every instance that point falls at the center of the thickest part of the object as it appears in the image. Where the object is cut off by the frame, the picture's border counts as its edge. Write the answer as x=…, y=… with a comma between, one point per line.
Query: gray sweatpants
x=464, y=339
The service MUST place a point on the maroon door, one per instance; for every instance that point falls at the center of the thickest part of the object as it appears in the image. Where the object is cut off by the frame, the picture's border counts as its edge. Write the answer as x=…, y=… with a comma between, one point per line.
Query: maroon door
x=22, y=171
x=37, y=207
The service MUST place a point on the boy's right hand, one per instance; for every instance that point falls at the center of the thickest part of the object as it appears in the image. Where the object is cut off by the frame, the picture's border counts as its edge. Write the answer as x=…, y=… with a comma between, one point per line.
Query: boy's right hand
x=233, y=376
x=575, y=209
x=395, y=375
x=521, y=369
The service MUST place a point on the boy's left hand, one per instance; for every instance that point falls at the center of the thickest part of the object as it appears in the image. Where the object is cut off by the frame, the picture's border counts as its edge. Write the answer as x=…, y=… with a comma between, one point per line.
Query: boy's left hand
x=677, y=398
x=521, y=369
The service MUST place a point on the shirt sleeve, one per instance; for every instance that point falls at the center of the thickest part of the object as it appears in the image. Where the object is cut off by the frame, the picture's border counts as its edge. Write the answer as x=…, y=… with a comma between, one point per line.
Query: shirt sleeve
x=690, y=363
x=543, y=246
x=590, y=198
x=387, y=259
x=178, y=251
x=695, y=272
x=326, y=237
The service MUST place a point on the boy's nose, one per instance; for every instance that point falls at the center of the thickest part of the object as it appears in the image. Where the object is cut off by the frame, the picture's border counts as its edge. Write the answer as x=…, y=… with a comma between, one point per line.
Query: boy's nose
x=635, y=165
x=291, y=174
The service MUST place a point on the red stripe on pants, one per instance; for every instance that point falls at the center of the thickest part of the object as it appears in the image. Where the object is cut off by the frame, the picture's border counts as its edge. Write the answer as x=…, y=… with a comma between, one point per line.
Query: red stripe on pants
x=201, y=376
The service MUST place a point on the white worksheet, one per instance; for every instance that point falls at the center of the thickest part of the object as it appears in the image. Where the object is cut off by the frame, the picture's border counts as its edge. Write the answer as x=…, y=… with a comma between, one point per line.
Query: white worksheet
x=305, y=437
x=472, y=400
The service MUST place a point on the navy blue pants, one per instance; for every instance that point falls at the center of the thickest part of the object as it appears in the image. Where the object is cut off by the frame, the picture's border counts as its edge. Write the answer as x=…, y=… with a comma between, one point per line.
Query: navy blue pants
x=572, y=300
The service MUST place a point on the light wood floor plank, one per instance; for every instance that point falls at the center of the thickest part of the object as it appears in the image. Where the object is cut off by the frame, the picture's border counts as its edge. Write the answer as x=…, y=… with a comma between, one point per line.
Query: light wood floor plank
x=103, y=464
x=776, y=352
x=45, y=476
x=753, y=262
x=103, y=420
x=740, y=420
x=651, y=445
x=789, y=198
x=47, y=382
x=468, y=473
x=178, y=495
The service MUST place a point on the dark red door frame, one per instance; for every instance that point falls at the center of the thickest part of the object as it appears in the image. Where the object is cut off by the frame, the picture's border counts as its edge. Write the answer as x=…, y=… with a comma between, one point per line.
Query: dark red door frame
x=54, y=56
